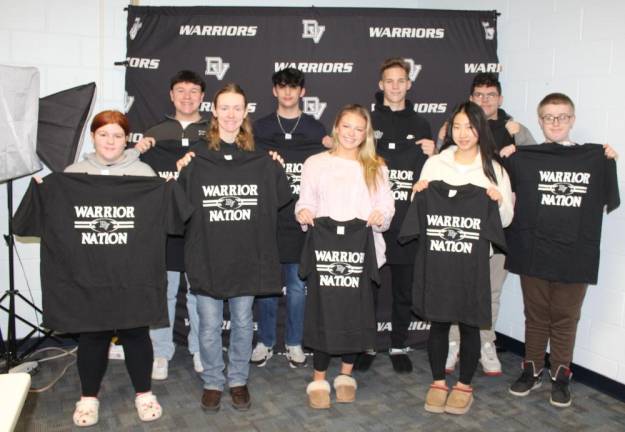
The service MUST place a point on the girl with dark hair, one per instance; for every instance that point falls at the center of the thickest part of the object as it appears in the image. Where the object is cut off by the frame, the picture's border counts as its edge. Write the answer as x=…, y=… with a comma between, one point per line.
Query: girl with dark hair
x=468, y=155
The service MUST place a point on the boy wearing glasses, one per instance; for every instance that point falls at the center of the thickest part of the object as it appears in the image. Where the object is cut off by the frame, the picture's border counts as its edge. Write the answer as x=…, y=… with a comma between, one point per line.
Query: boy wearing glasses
x=486, y=92
x=553, y=242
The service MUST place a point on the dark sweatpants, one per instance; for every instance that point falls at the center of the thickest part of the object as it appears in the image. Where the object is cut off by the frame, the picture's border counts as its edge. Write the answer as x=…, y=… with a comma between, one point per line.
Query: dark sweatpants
x=401, y=315
x=552, y=311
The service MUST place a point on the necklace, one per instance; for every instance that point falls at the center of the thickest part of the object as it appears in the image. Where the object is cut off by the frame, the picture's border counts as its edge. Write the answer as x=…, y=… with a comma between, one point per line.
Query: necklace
x=288, y=135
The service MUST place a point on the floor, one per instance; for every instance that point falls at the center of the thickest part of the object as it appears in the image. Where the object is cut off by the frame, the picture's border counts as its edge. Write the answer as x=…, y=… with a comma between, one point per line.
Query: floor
x=386, y=401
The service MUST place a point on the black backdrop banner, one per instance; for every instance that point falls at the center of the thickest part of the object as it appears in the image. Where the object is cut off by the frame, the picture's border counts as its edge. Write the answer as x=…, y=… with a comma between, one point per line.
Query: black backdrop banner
x=339, y=49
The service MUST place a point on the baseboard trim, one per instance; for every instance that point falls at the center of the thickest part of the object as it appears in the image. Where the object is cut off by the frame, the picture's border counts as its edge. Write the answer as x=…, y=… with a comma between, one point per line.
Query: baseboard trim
x=585, y=376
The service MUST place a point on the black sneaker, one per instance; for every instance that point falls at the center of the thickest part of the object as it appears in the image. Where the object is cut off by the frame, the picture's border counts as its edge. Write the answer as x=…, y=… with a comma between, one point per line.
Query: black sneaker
x=560, y=392
x=528, y=381
x=400, y=360
x=363, y=361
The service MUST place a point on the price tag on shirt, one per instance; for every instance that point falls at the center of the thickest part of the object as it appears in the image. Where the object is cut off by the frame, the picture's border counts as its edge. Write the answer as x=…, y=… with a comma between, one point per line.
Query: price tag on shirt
x=288, y=136
x=452, y=193
x=340, y=230
x=185, y=142
x=391, y=146
x=228, y=157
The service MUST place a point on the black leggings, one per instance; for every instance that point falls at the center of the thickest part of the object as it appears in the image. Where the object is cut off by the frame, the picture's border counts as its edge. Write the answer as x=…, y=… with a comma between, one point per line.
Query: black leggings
x=438, y=348
x=321, y=360
x=93, y=348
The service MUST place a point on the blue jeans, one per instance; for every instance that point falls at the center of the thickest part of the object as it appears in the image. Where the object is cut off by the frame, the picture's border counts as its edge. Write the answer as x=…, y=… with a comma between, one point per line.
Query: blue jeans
x=163, y=338
x=211, y=312
x=295, y=305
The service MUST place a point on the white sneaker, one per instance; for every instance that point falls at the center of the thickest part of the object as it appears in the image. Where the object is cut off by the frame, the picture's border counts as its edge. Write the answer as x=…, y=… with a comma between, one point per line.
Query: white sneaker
x=489, y=361
x=295, y=355
x=452, y=357
x=159, y=368
x=197, y=363
x=261, y=354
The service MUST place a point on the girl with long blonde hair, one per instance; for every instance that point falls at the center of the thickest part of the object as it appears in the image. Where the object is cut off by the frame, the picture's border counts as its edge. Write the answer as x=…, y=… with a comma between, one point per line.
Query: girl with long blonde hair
x=346, y=182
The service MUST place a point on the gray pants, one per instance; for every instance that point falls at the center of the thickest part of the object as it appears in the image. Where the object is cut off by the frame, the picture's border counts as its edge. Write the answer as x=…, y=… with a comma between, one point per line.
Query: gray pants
x=497, y=277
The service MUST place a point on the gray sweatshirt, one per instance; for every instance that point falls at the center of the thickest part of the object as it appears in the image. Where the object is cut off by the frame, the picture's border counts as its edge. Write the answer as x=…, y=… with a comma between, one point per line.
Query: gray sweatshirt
x=129, y=164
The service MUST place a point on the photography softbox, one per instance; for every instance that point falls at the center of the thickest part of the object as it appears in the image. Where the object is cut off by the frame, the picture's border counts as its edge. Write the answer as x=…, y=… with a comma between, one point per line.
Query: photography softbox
x=19, y=105
x=62, y=124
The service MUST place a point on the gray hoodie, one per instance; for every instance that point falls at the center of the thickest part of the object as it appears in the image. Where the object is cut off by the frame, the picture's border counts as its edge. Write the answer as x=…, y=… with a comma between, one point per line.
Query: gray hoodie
x=129, y=164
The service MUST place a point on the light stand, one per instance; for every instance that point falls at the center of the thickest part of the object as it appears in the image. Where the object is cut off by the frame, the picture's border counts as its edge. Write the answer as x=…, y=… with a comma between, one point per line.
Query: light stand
x=11, y=349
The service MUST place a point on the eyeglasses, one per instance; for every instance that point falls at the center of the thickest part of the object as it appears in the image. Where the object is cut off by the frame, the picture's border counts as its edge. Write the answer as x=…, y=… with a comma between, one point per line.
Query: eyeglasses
x=562, y=118
x=485, y=96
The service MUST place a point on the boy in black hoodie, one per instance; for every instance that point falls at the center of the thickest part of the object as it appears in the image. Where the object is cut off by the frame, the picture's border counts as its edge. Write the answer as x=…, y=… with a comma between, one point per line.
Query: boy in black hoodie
x=404, y=140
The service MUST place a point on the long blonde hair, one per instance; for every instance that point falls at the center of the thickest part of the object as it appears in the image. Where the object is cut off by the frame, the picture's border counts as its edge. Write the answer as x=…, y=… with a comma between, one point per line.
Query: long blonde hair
x=244, y=139
x=370, y=161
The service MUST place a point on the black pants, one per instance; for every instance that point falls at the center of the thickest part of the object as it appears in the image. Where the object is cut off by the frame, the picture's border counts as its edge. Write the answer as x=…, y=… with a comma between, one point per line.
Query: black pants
x=321, y=360
x=438, y=348
x=401, y=286
x=92, y=359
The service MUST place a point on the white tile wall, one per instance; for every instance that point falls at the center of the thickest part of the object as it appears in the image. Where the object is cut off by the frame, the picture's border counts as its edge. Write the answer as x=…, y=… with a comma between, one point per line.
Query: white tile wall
x=574, y=46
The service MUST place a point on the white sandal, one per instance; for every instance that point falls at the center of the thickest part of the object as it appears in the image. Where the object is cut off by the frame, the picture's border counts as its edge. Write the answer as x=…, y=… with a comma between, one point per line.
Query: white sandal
x=148, y=407
x=86, y=412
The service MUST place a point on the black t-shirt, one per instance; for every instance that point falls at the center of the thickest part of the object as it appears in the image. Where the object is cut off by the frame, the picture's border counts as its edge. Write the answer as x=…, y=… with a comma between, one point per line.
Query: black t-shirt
x=172, y=143
x=102, y=248
x=454, y=227
x=230, y=241
x=340, y=267
x=304, y=141
x=560, y=195
x=162, y=159
x=404, y=161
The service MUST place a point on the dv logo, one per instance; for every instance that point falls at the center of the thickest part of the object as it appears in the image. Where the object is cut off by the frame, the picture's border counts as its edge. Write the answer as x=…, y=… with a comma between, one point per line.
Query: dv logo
x=128, y=101
x=313, y=106
x=136, y=26
x=489, y=32
x=414, y=69
x=217, y=67
x=312, y=30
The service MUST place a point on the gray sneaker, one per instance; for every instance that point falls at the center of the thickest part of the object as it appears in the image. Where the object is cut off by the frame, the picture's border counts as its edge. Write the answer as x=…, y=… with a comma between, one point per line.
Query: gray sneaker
x=261, y=354
x=295, y=355
x=560, y=392
x=528, y=381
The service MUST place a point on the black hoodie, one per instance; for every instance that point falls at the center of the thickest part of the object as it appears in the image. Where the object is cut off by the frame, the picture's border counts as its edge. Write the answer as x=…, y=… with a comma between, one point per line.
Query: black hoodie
x=498, y=128
x=396, y=133
x=398, y=126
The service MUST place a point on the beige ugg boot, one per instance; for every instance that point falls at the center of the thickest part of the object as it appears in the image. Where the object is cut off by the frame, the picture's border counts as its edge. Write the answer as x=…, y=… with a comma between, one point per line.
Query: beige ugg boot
x=319, y=394
x=459, y=401
x=345, y=387
x=436, y=398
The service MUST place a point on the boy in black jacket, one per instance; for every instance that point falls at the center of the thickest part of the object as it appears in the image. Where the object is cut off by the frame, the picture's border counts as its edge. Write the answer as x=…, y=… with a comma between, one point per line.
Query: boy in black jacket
x=401, y=135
